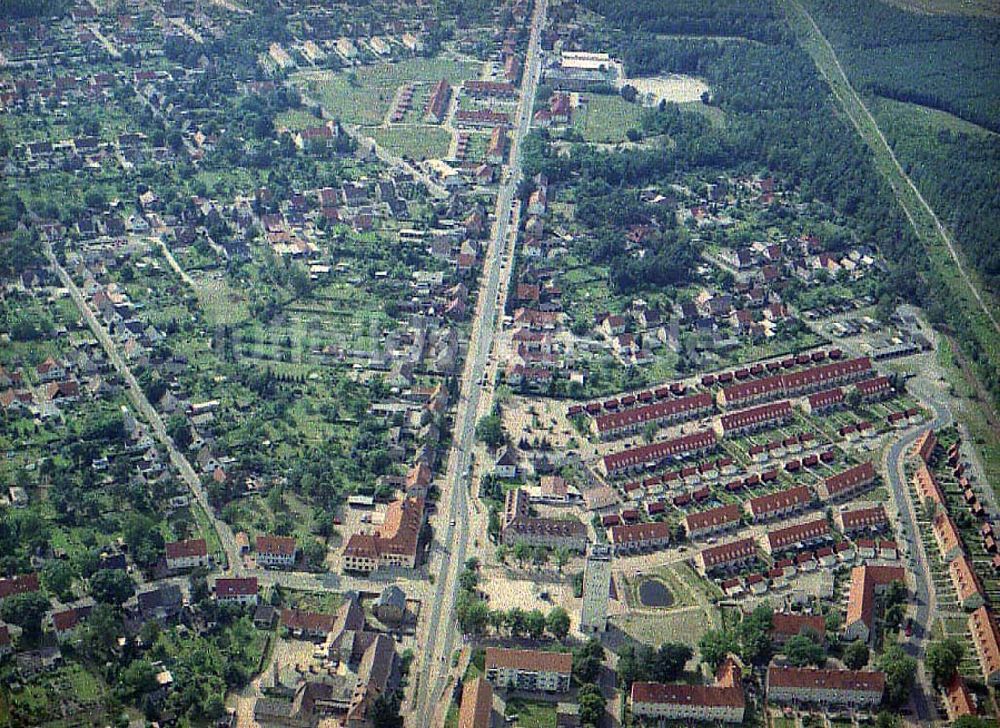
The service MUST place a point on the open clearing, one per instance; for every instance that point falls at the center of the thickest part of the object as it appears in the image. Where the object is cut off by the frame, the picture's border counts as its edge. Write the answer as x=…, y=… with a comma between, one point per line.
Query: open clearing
x=674, y=87
x=606, y=118
x=415, y=142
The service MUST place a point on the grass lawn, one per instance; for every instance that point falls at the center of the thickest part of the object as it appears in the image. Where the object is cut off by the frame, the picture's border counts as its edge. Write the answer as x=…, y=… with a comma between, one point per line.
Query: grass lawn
x=363, y=96
x=296, y=119
x=713, y=113
x=606, y=118
x=221, y=303
x=416, y=142
x=532, y=715
x=685, y=625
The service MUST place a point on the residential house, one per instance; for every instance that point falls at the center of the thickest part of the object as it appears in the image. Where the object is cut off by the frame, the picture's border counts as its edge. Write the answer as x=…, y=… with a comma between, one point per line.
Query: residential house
x=528, y=670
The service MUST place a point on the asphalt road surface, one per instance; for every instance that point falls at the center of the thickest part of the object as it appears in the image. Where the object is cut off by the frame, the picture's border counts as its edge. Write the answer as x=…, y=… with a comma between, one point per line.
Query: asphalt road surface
x=442, y=635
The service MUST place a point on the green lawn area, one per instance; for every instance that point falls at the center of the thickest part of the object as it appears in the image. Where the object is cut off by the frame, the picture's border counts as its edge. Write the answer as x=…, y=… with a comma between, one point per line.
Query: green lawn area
x=416, y=142
x=532, y=715
x=296, y=119
x=713, y=113
x=363, y=96
x=606, y=118
x=222, y=304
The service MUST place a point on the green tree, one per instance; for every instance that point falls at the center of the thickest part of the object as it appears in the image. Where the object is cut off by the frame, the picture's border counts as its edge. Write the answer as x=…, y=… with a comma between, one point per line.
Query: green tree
x=754, y=635
x=557, y=622
x=179, y=431
x=669, y=661
x=57, y=576
x=385, y=711
x=801, y=651
x=313, y=552
x=943, y=658
x=137, y=679
x=26, y=611
x=587, y=660
x=856, y=655
x=592, y=705
x=110, y=586
x=534, y=621
x=489, y=430
x=714, y=645
x=561, y=556
x=900, y=671
x=516, y=622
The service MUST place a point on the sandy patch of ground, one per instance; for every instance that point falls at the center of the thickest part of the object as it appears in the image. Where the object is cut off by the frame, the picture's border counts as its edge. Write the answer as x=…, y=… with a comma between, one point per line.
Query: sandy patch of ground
x=673, y=87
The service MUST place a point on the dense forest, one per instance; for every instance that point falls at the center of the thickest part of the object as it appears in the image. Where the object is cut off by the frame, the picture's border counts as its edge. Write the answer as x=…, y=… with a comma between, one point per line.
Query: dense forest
x=753, y=19
x=946, y=62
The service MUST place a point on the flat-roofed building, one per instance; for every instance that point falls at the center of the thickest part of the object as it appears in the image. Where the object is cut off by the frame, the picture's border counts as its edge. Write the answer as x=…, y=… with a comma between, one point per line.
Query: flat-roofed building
x=596, y=589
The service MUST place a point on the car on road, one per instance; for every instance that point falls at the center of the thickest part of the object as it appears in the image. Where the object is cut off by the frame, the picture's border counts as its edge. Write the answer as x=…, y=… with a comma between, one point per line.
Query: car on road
x=451, y=522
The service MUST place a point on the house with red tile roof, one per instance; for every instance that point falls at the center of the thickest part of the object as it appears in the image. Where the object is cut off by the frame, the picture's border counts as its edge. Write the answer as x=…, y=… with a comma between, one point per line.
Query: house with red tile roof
x=237, y=590
x=726, y=556
x=187, y=554
x=476, y=708
x=653, y=454
x=18, y=584
x=866, y=583
x=713, y=520
x=394, y=543
x=986, y=638
x=638, y=537
x=276, y=551
x=847, y=483
x=807, y=685
x=958, y=700
x=923, y=448
x=722, y=702
x=798, y=536
x=780, y=504
x=785, y=625
x=618, y=424
x=755, y=418
x=529, y=670
x=861, y=519
x=968, y=588
x=927, y=487
x=946, y=535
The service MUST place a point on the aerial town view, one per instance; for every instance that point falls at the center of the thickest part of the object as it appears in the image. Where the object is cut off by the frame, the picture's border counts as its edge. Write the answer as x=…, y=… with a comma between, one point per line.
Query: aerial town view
x=488, y=363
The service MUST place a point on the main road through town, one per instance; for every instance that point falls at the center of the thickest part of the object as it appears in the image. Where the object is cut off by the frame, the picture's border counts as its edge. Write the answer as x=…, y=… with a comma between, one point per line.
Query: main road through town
x=434, y=655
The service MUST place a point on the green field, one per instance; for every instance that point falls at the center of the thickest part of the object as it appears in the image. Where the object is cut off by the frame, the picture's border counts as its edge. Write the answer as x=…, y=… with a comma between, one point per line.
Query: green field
x=606, y=118
x=531, y=714
x=363, y=96
x=415, y=142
